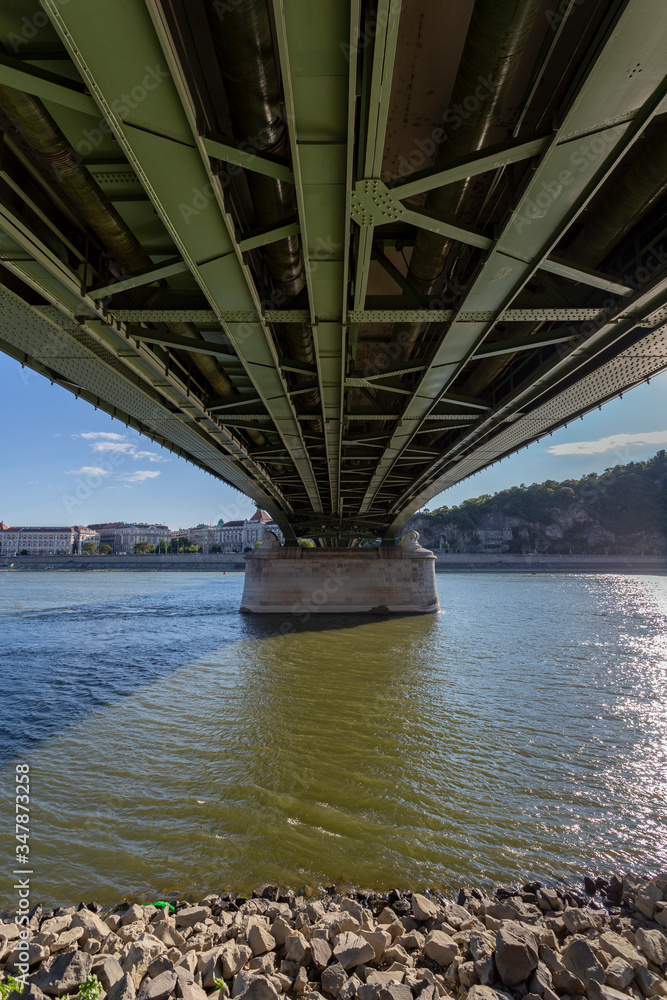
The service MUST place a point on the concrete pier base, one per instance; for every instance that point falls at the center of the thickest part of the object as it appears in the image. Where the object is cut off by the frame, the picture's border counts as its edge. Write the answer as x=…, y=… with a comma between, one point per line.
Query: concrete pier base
x=387, y=580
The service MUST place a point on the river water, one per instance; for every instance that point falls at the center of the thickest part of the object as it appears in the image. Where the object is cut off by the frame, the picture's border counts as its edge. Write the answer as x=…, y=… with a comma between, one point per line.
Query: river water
x=176, y=746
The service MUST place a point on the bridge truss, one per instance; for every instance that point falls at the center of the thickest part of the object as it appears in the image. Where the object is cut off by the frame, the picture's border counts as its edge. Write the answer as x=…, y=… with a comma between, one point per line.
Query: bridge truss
x=339, y=254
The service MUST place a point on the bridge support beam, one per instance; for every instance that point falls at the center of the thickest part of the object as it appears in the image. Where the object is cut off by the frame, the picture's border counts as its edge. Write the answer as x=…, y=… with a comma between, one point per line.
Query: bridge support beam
x=295, y=581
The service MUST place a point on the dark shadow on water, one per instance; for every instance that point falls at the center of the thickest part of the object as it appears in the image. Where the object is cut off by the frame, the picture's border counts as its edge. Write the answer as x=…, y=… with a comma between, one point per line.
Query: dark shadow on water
x=60, y=664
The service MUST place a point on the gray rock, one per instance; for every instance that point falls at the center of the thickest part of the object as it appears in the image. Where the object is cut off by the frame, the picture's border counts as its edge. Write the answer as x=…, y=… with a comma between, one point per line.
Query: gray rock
x=653, y=944
x=259, y=989
x=380, y=979
x=646, y=899
x=321, y=952
x=395, y=991
x=190, y=991
x=351, y=950
x=467, y=974
x=598, y=991
x=260, y=940
x=300, y=983
x=441, y=948
x=63, y=974
x=580, y=959
x=516, y=952
x=619, y=947
x=423, y=908
x=618, y=974
x=31, y=992
x=349, y=990
x=242, y=981
x=165, y=931
x=123, y=989
x=578, y=921
x=92, y=925
x=297, y=949
x=159, y=988
x=191, y=915
x=650, y=984
x=280, y=928
x=457, y=916
x=108, y=971
x=485, y=969
x=135, y=912
x=379, y=940
x=485, y=993
x=334, y=978
x=140, y=955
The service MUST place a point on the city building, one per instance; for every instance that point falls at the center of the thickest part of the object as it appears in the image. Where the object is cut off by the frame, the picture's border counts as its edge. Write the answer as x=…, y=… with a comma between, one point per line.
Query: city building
x=107, y=531
x=45, y=541
x=127, y=536
x=237, y=536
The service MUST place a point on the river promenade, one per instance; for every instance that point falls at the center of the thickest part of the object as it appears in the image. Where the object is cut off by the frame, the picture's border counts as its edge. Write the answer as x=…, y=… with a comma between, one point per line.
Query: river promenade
x=462, y=562
x=603, y=941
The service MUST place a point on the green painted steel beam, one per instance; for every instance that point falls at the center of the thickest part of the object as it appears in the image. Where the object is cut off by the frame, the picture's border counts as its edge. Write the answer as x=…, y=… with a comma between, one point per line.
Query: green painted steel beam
x=461, y=168
x=46, y=85
x=263, y=237
x=499, y=347
x=144, y=277
x=191, y=345
x=312, y=41
x=228, y=150
x=561, y=315
x=585, y=276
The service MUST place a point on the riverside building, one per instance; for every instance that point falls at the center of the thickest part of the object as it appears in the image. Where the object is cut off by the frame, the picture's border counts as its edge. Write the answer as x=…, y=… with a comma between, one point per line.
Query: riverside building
x=45, y=541
x=129, y=535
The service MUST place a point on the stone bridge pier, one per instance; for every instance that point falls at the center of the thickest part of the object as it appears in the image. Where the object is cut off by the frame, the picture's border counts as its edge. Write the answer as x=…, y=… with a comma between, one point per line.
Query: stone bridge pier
x=284, y=579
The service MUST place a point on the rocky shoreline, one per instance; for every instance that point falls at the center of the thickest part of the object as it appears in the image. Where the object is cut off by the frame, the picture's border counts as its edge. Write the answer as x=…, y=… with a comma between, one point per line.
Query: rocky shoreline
x=607, y=942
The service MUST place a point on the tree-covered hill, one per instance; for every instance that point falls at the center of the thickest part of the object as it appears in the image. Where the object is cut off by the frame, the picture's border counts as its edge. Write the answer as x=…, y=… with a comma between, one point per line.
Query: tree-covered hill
x=624, y=510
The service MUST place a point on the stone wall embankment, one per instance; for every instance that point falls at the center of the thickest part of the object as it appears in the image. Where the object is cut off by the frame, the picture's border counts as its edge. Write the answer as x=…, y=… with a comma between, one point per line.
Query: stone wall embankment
x=533, y=943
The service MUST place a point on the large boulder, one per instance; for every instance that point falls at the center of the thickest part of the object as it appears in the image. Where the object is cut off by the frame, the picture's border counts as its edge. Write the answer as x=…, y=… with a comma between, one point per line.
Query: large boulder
x=441, y=948
x=92, y=926
x=260, y=940
x=423, y=908
x=63, y=974
x=334, y=978
x=191, y=915
x=123, y=989
x=259, y=989
x=580, y=959
x=619, y=974
x=140, y=955
x=159, y=988
x=351, y=950
x=653, y=944
x=108, y=971
x=516, y=952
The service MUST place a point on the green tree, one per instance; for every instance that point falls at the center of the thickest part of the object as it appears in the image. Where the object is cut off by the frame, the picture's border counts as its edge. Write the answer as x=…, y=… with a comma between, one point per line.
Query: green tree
x=141, y=548
x=89, y=548
x=106, y=550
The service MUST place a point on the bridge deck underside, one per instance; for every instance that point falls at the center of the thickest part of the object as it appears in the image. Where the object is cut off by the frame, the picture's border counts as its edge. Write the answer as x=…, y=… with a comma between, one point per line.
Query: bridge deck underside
x=343, y=255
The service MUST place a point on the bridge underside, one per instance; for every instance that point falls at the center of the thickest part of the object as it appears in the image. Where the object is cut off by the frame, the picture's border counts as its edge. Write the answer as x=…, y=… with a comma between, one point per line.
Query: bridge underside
x=340, y=255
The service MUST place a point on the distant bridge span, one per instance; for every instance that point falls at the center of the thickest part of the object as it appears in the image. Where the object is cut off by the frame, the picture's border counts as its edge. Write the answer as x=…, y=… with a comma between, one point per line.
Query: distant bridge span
x=340, y=254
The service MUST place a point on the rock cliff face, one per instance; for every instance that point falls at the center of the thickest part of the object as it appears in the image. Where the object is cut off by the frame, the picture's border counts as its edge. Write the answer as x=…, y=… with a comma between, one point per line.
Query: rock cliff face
x=623, y=511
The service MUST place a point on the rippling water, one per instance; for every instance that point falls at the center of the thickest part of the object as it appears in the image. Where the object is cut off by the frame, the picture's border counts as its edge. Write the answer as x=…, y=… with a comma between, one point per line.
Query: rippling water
x=178, y=746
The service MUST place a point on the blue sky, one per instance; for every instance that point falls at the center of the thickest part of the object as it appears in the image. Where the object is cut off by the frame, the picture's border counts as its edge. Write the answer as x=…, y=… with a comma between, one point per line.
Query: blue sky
x=65, y=463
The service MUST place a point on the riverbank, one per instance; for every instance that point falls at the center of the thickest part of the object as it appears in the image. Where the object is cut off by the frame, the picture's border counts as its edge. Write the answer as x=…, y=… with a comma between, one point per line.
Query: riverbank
x=462, y=562
x=541, y=943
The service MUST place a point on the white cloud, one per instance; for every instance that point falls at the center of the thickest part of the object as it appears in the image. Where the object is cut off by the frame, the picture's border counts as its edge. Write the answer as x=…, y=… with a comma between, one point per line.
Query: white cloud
x=613, y=443
x=139, y=476
x=89, y=470
x=150, y=455
x=124, y=446
x=100, y=435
